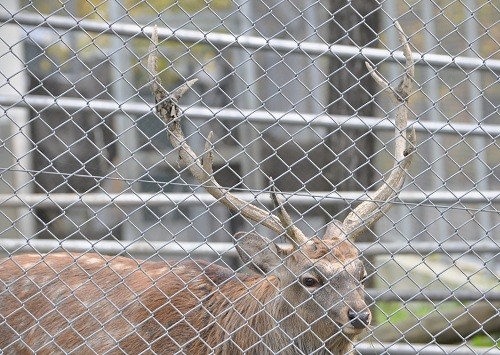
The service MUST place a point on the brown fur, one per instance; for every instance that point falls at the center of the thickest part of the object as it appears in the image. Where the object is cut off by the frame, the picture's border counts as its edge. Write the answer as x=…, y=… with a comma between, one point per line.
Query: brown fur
x=96, y=304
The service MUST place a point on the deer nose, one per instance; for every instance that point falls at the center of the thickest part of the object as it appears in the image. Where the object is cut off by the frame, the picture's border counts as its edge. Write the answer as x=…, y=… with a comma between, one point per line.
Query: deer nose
x=359, y=320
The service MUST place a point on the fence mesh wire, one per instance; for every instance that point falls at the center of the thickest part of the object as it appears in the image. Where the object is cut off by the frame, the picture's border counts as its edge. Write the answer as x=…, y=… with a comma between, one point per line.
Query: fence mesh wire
x=88, y=175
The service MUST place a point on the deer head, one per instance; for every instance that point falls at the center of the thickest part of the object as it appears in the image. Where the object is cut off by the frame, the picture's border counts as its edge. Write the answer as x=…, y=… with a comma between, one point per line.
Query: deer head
x=318, y=278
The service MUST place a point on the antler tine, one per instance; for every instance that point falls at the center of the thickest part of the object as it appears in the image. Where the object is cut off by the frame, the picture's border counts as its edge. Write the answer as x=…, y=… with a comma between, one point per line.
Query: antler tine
x=166, y=106
x=293, y=233
x=368, y=212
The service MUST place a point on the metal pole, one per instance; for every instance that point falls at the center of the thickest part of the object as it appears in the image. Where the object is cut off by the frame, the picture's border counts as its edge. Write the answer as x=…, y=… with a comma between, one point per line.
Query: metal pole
x=479, y=144
x=126, y=166
x=247, y=134
x=438, y=170
x=264, y=117
x=14, y=81
x=247, y=100
x=224, y=40
x=135, y=199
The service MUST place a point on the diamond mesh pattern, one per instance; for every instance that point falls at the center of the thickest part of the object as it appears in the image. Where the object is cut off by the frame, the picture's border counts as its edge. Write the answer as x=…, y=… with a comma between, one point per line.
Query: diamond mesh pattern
x=88, y=175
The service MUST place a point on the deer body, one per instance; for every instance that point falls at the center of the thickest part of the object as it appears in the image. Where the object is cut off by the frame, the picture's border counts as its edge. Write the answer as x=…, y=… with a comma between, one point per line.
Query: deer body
x=304, y=298
x=90, y=303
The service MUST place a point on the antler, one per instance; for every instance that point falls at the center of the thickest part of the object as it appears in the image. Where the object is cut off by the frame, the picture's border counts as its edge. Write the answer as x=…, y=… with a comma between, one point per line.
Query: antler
x=360, y=219
x=202, y=171
x=293, y=233
x=368, y=212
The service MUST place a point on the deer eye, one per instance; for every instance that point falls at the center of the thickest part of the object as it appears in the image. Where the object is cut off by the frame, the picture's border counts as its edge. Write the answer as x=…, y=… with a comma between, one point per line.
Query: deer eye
x=363, y=278
x=309, y=282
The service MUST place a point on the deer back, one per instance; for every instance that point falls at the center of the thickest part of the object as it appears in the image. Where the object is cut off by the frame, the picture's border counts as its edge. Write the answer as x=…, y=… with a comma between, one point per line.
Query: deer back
x=93, y=303
x=90, y=302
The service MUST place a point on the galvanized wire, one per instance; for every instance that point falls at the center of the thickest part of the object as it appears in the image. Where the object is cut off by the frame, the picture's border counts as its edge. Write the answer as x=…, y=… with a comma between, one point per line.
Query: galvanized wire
x=86, y=166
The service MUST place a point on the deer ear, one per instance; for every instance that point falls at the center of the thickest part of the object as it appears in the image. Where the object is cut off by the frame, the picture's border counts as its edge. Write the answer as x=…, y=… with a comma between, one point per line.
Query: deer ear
x=258, y=253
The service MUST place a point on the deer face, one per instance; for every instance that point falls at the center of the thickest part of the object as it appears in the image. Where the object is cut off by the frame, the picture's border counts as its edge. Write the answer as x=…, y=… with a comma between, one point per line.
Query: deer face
x=321, y=282
x=325, y=284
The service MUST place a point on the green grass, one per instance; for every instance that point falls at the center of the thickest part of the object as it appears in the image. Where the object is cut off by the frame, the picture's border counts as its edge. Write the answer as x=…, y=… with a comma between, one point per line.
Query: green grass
x=397, y=312
x=484, y=340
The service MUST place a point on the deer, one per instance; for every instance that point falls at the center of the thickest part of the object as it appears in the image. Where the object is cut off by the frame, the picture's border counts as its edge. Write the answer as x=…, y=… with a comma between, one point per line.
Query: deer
x=302, y=297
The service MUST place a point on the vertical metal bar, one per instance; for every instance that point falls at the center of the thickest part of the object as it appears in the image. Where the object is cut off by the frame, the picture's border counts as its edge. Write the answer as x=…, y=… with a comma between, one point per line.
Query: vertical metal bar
x=14, y=81
x=476, y=111
x=317, y=95
x=317, y=102
x=438, y=162
x=247, y=100
x=245, y=68
x=127, y=146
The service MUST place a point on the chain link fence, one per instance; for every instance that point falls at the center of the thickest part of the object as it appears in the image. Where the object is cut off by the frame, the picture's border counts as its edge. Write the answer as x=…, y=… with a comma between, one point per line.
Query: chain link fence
x=88, y=173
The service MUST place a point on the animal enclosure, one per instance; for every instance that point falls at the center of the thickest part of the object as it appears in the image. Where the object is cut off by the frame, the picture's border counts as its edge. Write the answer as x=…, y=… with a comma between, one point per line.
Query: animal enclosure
x=97, y=208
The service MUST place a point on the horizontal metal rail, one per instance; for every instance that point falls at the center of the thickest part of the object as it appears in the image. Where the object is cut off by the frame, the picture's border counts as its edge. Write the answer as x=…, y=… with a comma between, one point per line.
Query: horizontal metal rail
x=40, y=103
x=225, y=248
x=375, y=348
x=222, y=40
x=62, y=200
x=426, y=295
x=184, y=249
